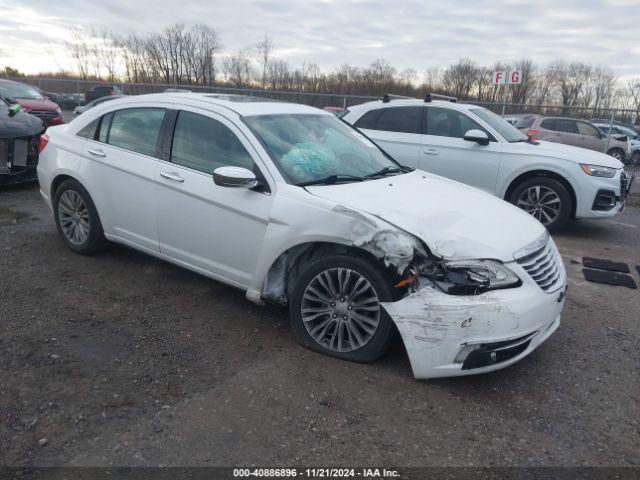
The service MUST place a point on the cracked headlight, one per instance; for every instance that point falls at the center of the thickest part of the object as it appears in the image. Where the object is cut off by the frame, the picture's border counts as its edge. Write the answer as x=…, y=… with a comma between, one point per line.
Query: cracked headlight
x=470, y=277
x=598, y=171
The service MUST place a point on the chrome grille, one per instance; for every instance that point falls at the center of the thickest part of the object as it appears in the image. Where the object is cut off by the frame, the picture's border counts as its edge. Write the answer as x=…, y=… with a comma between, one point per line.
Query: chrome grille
x=545, y=267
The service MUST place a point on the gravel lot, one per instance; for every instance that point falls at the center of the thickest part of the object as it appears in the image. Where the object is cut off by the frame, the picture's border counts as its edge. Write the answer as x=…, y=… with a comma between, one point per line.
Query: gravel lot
x=120, y=359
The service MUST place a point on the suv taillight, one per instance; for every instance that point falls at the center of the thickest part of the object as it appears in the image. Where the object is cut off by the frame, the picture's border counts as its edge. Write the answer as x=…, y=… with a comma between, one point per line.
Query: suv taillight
x=532, y=132
x=44, y=139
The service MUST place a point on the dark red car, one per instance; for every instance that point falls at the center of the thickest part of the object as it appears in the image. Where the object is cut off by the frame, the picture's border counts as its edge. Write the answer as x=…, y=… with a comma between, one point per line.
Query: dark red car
x=32, y=101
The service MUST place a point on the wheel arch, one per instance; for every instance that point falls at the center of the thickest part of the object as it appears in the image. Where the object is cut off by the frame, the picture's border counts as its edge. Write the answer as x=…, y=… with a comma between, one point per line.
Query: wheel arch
x=543, y=173
x=286, y=268
x=61, y=177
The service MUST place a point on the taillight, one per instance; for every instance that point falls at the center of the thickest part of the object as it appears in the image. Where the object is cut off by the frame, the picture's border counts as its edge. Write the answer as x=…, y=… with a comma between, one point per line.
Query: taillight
x=532, y=132
x=44, y=139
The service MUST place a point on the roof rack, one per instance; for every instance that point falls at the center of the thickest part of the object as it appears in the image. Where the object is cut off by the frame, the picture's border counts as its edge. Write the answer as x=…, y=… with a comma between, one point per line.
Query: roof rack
x=387, y=97
x=434, y=96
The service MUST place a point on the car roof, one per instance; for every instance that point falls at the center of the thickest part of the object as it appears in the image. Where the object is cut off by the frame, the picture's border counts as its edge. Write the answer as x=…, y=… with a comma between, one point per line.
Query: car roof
x=243, y=105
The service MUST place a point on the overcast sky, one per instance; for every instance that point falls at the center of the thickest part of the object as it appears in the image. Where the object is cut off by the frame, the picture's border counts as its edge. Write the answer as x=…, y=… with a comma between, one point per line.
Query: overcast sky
x=409, y=34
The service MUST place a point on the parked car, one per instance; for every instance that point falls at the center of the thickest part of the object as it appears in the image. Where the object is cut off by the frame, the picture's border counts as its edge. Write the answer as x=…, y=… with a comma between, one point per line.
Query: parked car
x=100, y=91
x=470, y=144
x=630, y=126
x=83, y=108
x=622, y=130
x=579, y=133
x=63, y=100
x=19, y=144
x=32, y=101
x=337, y=111
x=514, y=118
x=293, y=206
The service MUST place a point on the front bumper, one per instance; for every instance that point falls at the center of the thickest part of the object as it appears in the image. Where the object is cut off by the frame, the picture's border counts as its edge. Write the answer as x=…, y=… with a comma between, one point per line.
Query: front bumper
x=602, y=197
x=441, y=331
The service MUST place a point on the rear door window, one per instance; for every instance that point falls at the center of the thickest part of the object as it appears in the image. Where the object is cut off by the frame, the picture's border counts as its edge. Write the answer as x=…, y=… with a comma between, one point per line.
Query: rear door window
x=446, y=122
x=566, y=125
x=136, y=129
x=392, y=119
x=400, y=119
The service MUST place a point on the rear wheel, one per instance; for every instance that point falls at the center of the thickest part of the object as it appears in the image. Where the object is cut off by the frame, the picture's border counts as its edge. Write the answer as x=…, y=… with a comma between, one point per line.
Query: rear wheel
x=77, y=218
x=546, y=199
x=336, y=308
x=635, y=158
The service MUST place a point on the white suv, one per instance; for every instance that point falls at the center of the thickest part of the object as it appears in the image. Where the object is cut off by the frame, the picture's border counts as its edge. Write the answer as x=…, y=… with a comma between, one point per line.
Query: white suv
x=470, y=144
x=294, y=206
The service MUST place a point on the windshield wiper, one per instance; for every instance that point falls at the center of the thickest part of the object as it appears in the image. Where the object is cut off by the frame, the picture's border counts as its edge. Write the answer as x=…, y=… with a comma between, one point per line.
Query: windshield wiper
x=331, y=179
x=387, y=170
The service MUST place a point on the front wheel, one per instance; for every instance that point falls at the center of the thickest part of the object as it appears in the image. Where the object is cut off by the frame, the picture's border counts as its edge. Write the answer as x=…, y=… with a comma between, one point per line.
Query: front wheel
x=336, y=308
x=546, y=199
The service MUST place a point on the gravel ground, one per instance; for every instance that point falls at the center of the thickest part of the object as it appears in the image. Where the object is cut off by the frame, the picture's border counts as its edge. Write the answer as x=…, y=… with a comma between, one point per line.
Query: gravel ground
x=120, y=359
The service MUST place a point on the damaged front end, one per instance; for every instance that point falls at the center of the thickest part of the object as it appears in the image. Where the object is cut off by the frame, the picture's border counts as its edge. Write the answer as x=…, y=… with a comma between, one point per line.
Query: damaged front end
x=462, y=317
x=19, y=144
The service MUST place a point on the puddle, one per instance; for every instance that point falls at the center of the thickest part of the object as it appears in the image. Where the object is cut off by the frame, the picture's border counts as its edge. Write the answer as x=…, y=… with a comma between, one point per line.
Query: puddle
x=11, y=217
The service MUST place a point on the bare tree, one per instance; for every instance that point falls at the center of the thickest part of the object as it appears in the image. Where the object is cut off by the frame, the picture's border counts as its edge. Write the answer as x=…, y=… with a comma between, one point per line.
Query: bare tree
x=460, y=77
x=80, y=50
x=264, y=48
x=238, y=68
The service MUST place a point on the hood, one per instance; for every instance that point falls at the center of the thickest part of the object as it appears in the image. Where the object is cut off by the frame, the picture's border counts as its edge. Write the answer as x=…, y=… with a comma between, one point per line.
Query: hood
x=454, y=220
x=563, y=152
x=35, y=104
x=20, y=125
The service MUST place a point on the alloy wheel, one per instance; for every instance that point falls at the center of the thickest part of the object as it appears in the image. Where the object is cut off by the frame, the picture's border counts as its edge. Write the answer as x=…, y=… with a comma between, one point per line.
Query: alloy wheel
x=541, y=202
x=73, y=216
x=340, y=310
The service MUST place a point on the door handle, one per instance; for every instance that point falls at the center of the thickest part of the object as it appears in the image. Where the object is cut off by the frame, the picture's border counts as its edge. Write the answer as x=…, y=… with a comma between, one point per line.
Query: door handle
x=97, y=152
x=430, y=151
x=174, y=177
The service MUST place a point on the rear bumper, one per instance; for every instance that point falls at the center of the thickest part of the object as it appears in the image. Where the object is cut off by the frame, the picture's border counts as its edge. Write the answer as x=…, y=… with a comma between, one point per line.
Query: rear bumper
x=440, y=331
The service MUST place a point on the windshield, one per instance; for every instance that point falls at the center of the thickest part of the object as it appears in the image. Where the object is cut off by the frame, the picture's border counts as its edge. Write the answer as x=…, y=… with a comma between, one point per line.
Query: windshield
x=309, y=147
x=500, y=125
x=19, y=90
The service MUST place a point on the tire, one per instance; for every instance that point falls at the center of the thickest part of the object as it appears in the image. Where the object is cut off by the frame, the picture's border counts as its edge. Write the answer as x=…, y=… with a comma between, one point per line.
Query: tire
x=635, y=158
x=547, y=187
x=619, y=154
x=72, y=206
x=340, y=316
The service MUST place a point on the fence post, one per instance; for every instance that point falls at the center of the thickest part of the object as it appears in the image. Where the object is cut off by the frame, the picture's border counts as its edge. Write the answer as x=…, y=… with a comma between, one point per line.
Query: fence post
x=606, y=144
x=344, y=103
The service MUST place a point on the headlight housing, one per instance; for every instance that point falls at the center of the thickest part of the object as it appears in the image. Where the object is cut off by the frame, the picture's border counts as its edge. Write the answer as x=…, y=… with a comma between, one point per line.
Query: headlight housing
x=470, y=277
x=598, y=171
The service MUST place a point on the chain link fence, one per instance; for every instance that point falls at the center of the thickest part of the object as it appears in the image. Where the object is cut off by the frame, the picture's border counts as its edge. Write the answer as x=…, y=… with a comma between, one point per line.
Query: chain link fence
x=323, y=100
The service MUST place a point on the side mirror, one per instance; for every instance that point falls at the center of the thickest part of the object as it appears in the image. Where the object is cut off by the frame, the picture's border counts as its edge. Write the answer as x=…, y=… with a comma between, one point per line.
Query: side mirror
x=477, y=136
x=234, y=177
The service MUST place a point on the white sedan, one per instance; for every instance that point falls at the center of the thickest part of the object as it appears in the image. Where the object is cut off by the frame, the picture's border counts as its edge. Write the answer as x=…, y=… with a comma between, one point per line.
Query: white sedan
x=293, y=206
x=467, y=143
